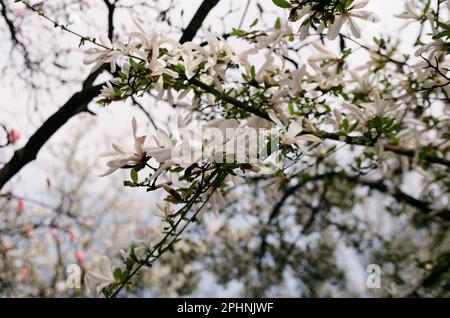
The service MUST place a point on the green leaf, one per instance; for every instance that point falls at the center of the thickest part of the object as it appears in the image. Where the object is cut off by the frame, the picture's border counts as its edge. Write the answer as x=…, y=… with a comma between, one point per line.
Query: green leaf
x=118, y=274
x=348, y=3
x=427, y=7
x=238, y=32
x=254, y=23
x=442, y=34
x=354, y=126
x=345, y=124
x=134, y=175
x=127, y=183
x=282, y=4
x=293, y=16
x=278, y=24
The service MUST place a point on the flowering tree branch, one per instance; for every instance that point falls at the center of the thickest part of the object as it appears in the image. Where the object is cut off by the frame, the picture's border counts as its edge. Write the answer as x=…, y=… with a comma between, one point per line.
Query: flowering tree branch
x=210, y=185
x=359, y=141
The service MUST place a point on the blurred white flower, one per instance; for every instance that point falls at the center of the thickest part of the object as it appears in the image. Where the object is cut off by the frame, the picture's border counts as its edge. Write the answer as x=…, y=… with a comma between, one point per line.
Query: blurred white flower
x=97, y=280
x=164, y=146
x=436, y=48
x=412, y=12
x=350, y=16
x=323, y=53
x=291, y=135
x=125, y=157
x=101, y=55
x=365, y=83
x=108, y=92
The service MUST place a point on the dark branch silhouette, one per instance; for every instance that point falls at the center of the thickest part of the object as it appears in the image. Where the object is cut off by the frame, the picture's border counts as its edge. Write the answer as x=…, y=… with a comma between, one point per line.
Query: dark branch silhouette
x=197, y=21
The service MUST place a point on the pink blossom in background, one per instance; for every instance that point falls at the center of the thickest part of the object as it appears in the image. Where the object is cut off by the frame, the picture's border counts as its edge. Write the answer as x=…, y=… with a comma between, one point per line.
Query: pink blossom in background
x=141, y=232
x=6, y=245
x=20, y=13
x=79, y=255
x=20, y=207
x=29, y=232
x=71, y=234
x=13, y=135
x=54, y=232
x=23, y=273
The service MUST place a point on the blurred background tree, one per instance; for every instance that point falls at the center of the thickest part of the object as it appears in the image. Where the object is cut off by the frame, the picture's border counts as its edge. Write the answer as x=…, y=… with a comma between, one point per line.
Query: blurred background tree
x=313, y=238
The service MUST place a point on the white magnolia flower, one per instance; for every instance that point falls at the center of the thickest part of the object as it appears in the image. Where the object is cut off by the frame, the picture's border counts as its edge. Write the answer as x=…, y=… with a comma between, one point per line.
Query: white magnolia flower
x=101, y=55
x=108, y=92
x=291, y=135
x=322, y=53
x=325, y=76
x=163, y=152
x=96, y=281
x=124, y=157
x=304, y=14
x=295, y=80
x=144, y=245
x=350, y=16
x=435, y=48
x=191, y=60
x=164, y=146
x=151, y=49
x=213, y=48
x=275, y=38
x=157, y=65
x=365, y=83
x=378, y=107
x=164, y=211
x=412, y=12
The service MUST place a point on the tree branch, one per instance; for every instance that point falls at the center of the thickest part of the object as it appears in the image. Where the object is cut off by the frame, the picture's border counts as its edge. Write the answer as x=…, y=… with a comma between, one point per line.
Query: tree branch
x=13, y=34
x=75, y=105
x=376, y=185
x=441, y=267
x=197, y=21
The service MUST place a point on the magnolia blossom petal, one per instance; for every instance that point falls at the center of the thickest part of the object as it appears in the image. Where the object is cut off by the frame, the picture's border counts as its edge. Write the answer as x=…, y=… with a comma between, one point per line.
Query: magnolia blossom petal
x=334, y=29
x=96, y=281
x=294, y=129
x=162, y=139
x=309, y=137
x=275, y=118
x=365, y=15
x=160, y=170
x=360, y=4
x=354, y=28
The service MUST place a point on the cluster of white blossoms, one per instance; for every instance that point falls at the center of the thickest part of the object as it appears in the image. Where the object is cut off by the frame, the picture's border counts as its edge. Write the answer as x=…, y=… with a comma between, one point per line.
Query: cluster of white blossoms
x=300, y=103
x=348, y=16
x=220, y=141
x=223, y=138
